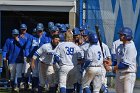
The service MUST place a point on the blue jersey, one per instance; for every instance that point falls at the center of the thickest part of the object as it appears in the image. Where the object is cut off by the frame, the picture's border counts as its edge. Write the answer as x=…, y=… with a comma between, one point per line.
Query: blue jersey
x=14, y=49
x=34, y=44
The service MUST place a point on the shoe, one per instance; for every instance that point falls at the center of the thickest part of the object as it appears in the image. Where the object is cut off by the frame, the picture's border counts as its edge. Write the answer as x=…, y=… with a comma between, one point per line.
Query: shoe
x=22, y=85
x=16, y=89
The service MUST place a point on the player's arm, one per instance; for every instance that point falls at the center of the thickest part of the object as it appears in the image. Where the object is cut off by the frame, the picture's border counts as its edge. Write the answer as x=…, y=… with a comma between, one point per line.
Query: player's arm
x=19, y=42
x=36, y=55
x=88, y=59
x=107, y=55
x=120, y=66
x=80, y=56
x=129, y=56
x=57, y=53
x=6, y=49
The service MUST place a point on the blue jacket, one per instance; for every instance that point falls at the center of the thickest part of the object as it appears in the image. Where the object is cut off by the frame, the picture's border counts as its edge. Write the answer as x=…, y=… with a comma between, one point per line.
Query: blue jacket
x=34, y=44
x=14, y=49
x=27, y=37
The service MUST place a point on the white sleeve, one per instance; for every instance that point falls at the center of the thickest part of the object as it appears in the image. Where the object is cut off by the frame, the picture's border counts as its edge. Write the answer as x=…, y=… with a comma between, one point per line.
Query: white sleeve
x=80, y=53
x=58, y=50
x=89, y=55
x=107, y=52
x=130, y=56
x=113, y=49
x=40, y=50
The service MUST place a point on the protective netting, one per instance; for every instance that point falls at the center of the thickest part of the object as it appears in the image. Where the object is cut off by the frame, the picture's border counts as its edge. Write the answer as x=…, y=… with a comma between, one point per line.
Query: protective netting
x=111, y=15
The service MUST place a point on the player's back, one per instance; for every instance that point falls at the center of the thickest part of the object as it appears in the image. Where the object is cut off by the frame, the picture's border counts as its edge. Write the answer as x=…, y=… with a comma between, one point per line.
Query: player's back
x=69, y=53
x=94, y=54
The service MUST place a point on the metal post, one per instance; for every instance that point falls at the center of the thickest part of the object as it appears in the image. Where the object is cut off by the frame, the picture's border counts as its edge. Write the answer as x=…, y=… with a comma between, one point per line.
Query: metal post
x=0, y=30
x=86, y=9
x=80, y=13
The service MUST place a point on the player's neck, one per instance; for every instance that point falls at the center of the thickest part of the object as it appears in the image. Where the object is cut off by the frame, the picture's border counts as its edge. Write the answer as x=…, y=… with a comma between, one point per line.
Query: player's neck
x=126, y=42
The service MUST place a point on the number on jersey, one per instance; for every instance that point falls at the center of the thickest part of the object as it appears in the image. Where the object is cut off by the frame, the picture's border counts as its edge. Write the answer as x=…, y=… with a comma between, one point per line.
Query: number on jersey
x=99, y=55
x=70, y=50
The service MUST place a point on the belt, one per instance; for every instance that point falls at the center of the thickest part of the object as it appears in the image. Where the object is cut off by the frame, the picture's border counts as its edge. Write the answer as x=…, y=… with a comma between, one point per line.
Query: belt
x=95, y=66
x=46, y=63
x=125, y=72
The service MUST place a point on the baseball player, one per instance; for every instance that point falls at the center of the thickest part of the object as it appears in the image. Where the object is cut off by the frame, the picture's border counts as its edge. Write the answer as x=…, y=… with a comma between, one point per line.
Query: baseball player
x=25, y=38
x=82, y=29
x=125, y=65
x=70, y=54
x=14, y=46
x=85, y=36
x=63, y=30
x=93, y=66
x=37, y=41
x=84, y=45
x=76, y=36
x=46, y=71
x=67, y=26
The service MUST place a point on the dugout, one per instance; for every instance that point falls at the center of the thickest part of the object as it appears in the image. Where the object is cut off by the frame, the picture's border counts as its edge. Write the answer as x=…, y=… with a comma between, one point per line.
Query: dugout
x=13, y=13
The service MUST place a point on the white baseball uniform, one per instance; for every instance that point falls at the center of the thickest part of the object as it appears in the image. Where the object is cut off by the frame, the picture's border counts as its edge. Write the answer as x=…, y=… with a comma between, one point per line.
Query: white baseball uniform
x=46, y=71
x=114, y=47
x=125, y=78
x=69, y=52
x=94, y=70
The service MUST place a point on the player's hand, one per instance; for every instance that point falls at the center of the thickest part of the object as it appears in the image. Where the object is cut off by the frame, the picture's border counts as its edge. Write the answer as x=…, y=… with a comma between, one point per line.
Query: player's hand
x=107, y=62
x=28, y=60
x=4, y=59
x=32, y=65
x=16, y=38
x=115, y=69
x=108, y=68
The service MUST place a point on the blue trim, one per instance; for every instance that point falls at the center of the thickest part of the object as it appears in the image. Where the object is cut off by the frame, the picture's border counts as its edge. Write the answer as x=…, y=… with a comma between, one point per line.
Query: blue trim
x=122, y=66
x=114, y=63
x=62, y=90
x=126, y=63
x=87, y=90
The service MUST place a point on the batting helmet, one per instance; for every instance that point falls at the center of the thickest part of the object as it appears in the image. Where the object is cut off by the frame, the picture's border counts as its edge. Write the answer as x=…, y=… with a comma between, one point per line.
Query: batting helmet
x=86, y=32
x=39, y=28
x=93, y=38
x=76, y=31
x=15, y=32
x=58, y=25
x=83, y=27
x=40, y=24
x=23, y=26
x=50, y=24
x=127, y=32
x=67, y=26
x=53, y=28
x=63, y=29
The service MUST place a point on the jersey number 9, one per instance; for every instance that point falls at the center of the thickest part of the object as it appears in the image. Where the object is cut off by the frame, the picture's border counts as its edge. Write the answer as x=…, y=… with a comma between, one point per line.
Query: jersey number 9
x=70, y=50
